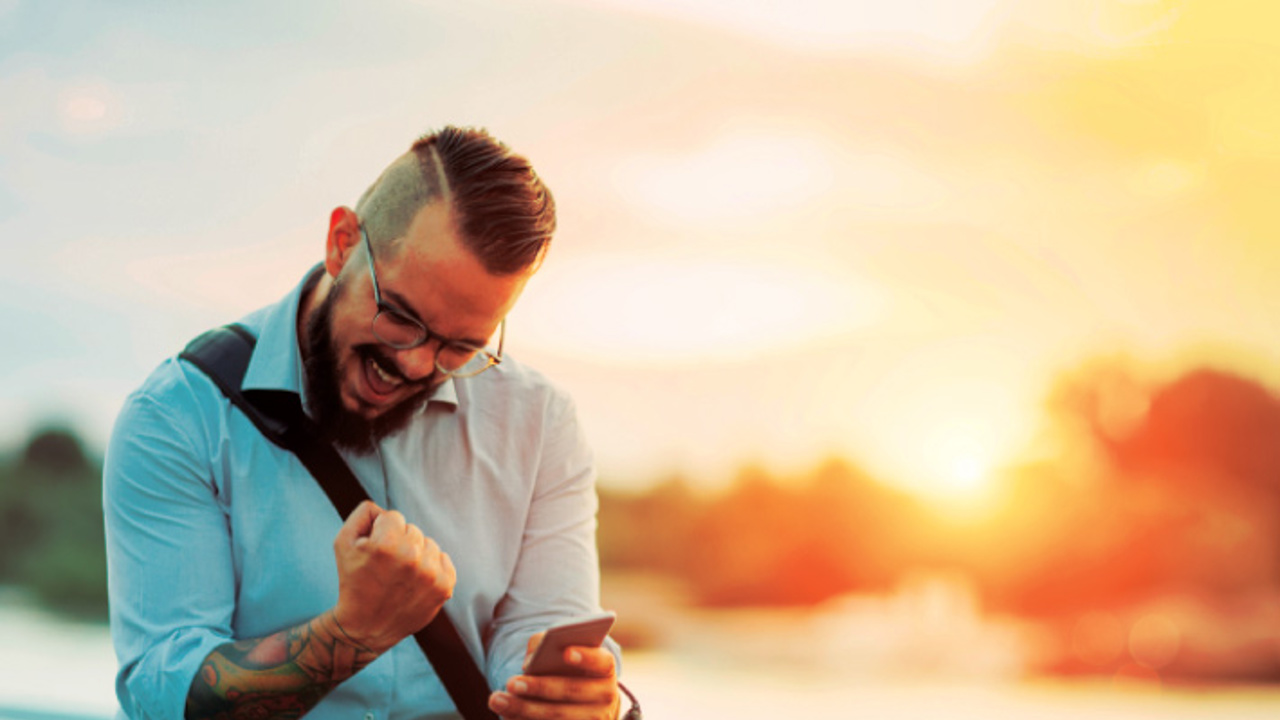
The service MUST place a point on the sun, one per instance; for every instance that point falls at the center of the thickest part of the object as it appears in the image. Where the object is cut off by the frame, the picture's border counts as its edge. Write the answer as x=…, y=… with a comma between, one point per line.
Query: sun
x=958, y=470
x=965, y=472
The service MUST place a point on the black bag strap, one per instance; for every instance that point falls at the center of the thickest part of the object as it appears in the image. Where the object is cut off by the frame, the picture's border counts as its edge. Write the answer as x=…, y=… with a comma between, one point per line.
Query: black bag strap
x=223, y=354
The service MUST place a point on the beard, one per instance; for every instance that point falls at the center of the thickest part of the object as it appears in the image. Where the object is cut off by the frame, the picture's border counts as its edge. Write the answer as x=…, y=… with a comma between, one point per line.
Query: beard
x=344, y=428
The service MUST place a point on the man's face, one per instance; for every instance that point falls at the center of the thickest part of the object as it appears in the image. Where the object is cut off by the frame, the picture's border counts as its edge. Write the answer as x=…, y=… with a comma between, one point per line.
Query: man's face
x=362, y=390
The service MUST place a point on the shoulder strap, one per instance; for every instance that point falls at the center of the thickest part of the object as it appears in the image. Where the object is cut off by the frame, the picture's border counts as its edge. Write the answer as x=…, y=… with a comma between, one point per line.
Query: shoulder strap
x=223, y=354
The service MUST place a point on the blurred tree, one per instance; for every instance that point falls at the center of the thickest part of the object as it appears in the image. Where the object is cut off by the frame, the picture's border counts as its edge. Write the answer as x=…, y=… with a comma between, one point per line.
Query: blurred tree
x=649, y=531
x=1209, y=420
x=57, y=452
x=1159, y=488
x=768, y=540
x=51, y=535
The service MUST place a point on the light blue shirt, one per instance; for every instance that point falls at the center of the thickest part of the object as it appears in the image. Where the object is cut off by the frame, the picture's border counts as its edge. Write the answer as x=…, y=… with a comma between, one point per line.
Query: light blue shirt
x=215, y=534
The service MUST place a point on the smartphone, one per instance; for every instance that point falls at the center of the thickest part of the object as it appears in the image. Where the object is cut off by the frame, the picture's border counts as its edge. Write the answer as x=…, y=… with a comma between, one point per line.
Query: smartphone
x=588, y=631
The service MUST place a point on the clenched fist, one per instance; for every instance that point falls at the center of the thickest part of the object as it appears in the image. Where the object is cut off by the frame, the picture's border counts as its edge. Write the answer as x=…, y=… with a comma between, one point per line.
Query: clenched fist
x=392, y=580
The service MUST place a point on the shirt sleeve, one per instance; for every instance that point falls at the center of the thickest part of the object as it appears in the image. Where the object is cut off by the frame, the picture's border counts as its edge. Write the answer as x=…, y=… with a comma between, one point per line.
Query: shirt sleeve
x=557, y=575
x=171, y=582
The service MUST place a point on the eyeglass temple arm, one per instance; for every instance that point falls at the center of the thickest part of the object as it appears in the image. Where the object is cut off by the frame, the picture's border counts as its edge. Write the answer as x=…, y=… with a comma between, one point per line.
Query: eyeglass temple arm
x=502, y=337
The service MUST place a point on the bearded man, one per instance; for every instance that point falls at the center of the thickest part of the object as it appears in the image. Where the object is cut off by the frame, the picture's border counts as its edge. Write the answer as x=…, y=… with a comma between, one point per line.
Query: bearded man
x=237, y=591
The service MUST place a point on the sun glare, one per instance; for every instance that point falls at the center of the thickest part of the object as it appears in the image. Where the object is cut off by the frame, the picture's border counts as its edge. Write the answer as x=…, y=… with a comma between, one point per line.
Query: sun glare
x=957, y=473
x=966, y=473
x=939, y=423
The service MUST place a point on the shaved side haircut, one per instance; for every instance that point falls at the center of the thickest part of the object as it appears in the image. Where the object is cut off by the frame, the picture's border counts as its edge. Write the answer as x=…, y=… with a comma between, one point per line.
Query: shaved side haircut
x=504, y=212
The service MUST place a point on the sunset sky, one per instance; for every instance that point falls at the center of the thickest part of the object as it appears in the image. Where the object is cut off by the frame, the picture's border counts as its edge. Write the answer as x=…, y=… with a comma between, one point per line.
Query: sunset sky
x=787, y=231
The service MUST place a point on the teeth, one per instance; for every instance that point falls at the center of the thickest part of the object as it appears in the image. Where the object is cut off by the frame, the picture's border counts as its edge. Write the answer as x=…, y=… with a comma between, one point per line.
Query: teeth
x=382, y=373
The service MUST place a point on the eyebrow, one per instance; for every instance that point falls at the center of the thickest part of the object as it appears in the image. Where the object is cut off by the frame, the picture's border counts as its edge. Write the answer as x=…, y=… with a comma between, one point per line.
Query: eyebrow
x=402, y=306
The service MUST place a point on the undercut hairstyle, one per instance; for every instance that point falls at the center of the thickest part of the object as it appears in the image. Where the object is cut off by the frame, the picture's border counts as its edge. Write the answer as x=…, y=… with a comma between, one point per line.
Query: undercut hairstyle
x=504, y=213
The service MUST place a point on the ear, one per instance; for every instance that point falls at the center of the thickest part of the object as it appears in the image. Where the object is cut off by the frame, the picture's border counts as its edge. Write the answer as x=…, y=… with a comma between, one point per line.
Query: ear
x=343, y=240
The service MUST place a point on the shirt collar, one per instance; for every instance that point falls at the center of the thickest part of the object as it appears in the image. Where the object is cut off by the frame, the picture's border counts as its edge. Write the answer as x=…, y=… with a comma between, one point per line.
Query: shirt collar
x=276, y=363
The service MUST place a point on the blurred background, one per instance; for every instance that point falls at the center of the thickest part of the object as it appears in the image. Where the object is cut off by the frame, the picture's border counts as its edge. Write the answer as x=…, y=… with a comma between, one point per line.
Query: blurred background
x=930, y=349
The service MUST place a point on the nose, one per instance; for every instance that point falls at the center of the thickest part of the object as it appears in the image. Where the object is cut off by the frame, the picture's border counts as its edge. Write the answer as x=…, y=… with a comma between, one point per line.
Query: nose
x=417, y=363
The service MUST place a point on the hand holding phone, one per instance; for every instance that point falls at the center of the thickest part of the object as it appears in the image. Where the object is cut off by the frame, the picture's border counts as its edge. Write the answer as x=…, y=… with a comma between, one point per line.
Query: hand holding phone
x=589, y=631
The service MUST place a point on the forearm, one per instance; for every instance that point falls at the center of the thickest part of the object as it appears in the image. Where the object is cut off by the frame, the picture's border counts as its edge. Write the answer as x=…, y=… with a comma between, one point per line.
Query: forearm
x=282, y=675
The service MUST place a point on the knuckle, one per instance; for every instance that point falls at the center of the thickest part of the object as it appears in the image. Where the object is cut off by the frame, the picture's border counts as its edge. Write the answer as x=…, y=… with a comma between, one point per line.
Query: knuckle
x=542, y=711
x=594, y=693
x=407, y=555
x=444, y=587
x=574, y=693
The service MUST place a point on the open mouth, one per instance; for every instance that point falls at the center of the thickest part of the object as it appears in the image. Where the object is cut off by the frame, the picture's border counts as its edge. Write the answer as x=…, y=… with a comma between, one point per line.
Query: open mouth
x=382, y=378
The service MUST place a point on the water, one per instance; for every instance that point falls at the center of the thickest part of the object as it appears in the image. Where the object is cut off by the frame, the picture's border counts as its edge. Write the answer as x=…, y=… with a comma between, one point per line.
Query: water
x=669, y=688
x=51, y=669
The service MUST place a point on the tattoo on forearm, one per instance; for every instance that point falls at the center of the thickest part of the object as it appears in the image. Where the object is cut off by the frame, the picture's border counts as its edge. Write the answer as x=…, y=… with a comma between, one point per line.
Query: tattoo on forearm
x=279, y=676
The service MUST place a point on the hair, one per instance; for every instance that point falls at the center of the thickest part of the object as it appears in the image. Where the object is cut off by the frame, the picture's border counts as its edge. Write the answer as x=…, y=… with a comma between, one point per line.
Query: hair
x=504, y=212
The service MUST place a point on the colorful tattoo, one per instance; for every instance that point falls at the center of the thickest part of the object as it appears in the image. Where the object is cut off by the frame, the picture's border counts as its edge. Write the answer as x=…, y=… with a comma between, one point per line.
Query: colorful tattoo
x=279, y=676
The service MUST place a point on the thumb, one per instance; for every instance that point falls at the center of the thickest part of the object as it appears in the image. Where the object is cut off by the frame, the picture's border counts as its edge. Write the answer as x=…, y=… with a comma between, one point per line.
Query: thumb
x=359, y=523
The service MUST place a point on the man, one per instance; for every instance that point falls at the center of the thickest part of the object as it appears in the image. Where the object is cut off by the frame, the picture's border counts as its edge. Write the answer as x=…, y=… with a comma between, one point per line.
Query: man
x=237, y=591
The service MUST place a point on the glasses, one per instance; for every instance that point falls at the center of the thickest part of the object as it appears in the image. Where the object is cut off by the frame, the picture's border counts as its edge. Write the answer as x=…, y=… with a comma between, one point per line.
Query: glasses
x=393, y=328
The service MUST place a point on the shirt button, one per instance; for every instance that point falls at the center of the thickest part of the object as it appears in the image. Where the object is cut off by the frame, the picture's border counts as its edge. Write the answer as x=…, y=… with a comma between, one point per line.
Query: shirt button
x=370, y=716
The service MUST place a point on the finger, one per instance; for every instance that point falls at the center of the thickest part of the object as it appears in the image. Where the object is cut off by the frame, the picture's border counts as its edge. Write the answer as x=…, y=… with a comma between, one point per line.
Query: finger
x=389, y=524
x=583, y=691
x=430, y=548
x=359, y=522
x=412, y=544
x=414, y=535
x=448, y=571
x=514, y=707
x=594, y=661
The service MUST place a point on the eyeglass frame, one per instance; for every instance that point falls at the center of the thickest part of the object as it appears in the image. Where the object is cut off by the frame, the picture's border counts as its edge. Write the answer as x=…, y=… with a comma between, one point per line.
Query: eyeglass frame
x=402, y=318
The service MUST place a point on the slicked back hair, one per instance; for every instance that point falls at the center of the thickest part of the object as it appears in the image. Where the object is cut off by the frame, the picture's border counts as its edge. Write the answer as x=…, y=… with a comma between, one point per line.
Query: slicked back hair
x=504, y=212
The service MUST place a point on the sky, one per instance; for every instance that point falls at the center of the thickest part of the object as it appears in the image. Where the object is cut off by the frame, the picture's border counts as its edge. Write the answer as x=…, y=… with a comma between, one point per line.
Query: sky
x=787, y=231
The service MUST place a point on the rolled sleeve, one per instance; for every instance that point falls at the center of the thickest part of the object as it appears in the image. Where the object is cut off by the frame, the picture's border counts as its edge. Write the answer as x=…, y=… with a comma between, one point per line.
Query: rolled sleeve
x=171, y=580
x=557, y=575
